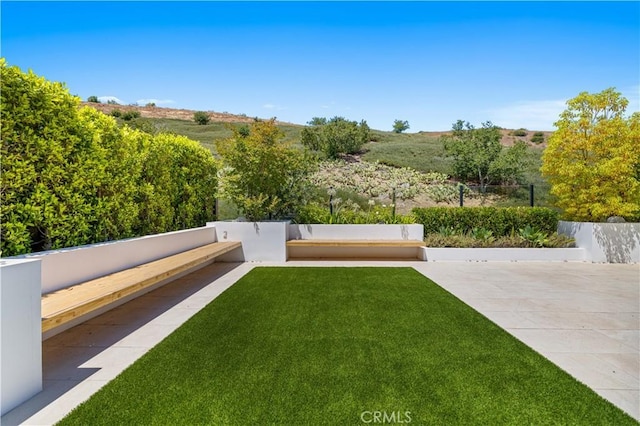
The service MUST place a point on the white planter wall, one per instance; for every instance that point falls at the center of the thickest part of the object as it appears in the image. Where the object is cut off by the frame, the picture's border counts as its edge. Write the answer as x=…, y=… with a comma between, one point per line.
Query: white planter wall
x=20, y=324
x=434, y=254
x=261, y=241
x=64, y=267
x=605, y=242
x=412, y=232
x=356, y=232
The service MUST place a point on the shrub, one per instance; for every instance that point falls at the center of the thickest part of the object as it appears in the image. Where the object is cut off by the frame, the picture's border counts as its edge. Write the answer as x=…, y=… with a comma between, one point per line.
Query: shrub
x=520, y=132
x=130, y=115
x=350, y=213
x=116, y=113
x=93, y=99
x=538, y=137
x=201, y=117
x=264, y=177
x=335, y=136
x=499, y=221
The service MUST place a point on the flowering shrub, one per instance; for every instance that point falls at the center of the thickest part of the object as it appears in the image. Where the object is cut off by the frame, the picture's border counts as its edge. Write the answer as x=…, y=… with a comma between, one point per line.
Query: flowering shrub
x=376, y=180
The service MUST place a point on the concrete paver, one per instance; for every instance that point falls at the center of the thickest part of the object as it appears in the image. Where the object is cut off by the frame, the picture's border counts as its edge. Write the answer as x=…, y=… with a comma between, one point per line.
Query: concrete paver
x=583, y=317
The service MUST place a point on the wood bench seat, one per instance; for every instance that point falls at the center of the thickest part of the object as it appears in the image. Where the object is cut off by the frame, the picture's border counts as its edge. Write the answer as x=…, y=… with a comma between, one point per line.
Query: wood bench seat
x=65, y=305
x=354, y=249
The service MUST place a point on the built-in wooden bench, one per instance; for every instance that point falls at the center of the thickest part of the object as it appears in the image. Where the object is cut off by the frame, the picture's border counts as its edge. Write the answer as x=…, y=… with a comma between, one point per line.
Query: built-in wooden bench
x=65, y=305
x=318, y=248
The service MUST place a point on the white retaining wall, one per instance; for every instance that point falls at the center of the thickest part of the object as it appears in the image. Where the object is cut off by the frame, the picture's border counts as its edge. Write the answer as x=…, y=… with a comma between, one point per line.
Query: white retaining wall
x=433, y=254
x=605, y=242
x=65, y=267
x=356, y=232
x=261, y=241
x=20, y=328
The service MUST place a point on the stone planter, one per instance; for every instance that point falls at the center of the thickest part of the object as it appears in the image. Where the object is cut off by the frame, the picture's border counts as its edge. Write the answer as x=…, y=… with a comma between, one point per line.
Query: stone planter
x=21, y=338
x=605, y=242
x=261, y=241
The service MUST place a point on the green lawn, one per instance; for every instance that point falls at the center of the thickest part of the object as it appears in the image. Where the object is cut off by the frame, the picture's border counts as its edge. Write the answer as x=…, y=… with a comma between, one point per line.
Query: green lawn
x=325, y=345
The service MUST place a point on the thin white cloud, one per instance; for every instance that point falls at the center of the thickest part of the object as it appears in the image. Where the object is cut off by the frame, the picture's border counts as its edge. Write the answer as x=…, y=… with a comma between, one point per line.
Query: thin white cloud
x=272, y=106
x=532, y=115
x=105, y=99
x=155, y=101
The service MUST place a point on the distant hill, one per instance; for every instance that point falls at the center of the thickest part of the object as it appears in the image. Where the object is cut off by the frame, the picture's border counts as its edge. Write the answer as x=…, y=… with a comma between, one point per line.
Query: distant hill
x=508, y=137
x=170, y=113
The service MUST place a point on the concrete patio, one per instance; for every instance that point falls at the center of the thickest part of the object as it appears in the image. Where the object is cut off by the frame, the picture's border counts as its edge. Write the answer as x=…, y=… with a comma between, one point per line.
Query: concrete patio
x=584, y=317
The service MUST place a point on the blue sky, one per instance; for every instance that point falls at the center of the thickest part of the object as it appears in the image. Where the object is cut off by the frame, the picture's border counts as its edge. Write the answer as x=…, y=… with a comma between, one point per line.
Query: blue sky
x=430, y=63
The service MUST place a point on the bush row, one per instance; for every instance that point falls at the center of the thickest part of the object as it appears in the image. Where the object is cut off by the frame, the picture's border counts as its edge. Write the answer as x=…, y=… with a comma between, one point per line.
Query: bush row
x=72, y=176
x=501, y=221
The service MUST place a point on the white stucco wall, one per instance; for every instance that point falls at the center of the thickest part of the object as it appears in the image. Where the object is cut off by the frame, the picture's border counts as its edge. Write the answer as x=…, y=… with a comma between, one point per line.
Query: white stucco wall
x=434, y=254
x=64, y=267
x=605, y=242
x=356, y=232
x=20, y=328
x=261, y=241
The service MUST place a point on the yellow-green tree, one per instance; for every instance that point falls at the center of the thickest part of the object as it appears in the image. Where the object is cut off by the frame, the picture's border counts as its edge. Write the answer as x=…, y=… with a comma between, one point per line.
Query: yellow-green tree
x=593, y=158
x=262, y=176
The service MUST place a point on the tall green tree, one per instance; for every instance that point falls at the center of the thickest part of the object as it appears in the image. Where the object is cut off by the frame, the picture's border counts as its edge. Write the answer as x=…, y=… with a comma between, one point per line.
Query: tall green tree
x=335, y=136
x=400, y=126
x=264, y=177
x=592, y=160
x=478, y=155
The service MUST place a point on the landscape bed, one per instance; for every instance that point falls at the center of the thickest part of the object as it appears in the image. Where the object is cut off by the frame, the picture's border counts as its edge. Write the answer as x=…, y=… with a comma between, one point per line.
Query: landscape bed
x=314, y=345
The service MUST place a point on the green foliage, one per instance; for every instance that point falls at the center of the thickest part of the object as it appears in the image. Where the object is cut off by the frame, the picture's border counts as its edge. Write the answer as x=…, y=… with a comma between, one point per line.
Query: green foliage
x=72, y=176
x=400, y=126
x=67, y=176
x=262, y=176
x=130, y=115
x=350, y=213
x=201, y=117
x=116, y=113
x=500, y=221
x=520, y=132
x=478, y=155
x=151, y=104
x=178, y=184
x=375, y=180
x=93, y=99
x=112, y=102
x=514, y=240
x=335, y=136
x=538, y=137
x=593, y=159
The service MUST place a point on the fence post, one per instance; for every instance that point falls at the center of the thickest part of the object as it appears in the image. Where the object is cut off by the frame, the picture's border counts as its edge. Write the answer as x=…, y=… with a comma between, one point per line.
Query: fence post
x=461, y=195
x=531, y=195
x=331, y=202
x=393, y=203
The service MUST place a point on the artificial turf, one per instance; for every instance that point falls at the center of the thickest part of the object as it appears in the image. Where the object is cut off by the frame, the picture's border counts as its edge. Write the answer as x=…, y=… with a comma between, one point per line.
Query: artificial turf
x=318, y=345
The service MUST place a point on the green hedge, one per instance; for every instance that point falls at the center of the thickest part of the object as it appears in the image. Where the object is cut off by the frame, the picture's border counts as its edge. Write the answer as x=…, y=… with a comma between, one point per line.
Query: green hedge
x=500, y=220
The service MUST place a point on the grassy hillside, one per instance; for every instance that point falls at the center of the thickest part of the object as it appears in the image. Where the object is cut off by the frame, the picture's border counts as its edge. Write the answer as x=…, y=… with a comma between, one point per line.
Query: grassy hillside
x=209, y=133
x=421, y=151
